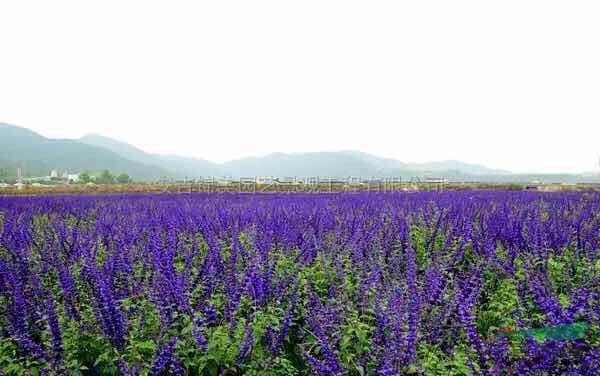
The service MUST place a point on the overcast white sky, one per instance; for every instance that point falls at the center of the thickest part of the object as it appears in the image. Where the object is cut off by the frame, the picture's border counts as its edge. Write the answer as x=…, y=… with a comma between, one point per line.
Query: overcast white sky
x=509, y=84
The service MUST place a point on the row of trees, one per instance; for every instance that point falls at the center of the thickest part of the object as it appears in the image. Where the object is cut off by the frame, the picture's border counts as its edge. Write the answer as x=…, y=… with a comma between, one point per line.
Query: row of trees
x=105, y=177
x=4, y=174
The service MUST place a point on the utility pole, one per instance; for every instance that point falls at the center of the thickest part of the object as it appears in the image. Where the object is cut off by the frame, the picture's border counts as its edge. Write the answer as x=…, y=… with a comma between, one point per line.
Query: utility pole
x=19, y=179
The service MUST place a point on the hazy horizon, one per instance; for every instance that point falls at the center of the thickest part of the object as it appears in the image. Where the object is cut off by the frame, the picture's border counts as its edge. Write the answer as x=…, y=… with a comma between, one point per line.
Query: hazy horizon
x=510, y=86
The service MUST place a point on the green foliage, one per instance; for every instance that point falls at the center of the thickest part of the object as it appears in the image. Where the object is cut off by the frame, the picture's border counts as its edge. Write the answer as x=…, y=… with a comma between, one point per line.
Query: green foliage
x=105, y=178
x=145, y=325
x=9, y=361
x=85, y=177
x=498, y=311
x=568, y=270
x=419, y=239
x=123, y=179
x=356, y=339
x=85, y=351
x=319, y=274
x=432, y=361
x=3, y=174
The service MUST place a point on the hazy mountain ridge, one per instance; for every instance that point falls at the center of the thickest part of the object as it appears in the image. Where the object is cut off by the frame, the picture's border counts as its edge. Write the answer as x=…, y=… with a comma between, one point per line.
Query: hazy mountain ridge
x=343, y=164
x=37, y=155
x=178, y=167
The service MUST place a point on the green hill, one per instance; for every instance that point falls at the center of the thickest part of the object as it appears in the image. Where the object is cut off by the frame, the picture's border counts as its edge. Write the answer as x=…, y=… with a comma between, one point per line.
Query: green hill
x=37, y=155
x=178, y=166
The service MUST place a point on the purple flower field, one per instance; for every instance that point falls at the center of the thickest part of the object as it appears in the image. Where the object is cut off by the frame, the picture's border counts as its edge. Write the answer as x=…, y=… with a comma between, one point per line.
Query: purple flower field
x=329, y=284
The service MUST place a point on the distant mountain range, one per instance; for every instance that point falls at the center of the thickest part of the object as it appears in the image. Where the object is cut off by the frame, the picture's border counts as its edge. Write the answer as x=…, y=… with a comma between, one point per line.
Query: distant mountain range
x=331, y=164
x=37, y=155
x=177, y=166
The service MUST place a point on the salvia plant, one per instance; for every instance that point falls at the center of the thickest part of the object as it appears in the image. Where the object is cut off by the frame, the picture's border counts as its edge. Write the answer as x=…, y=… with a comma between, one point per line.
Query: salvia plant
x=276, y=284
